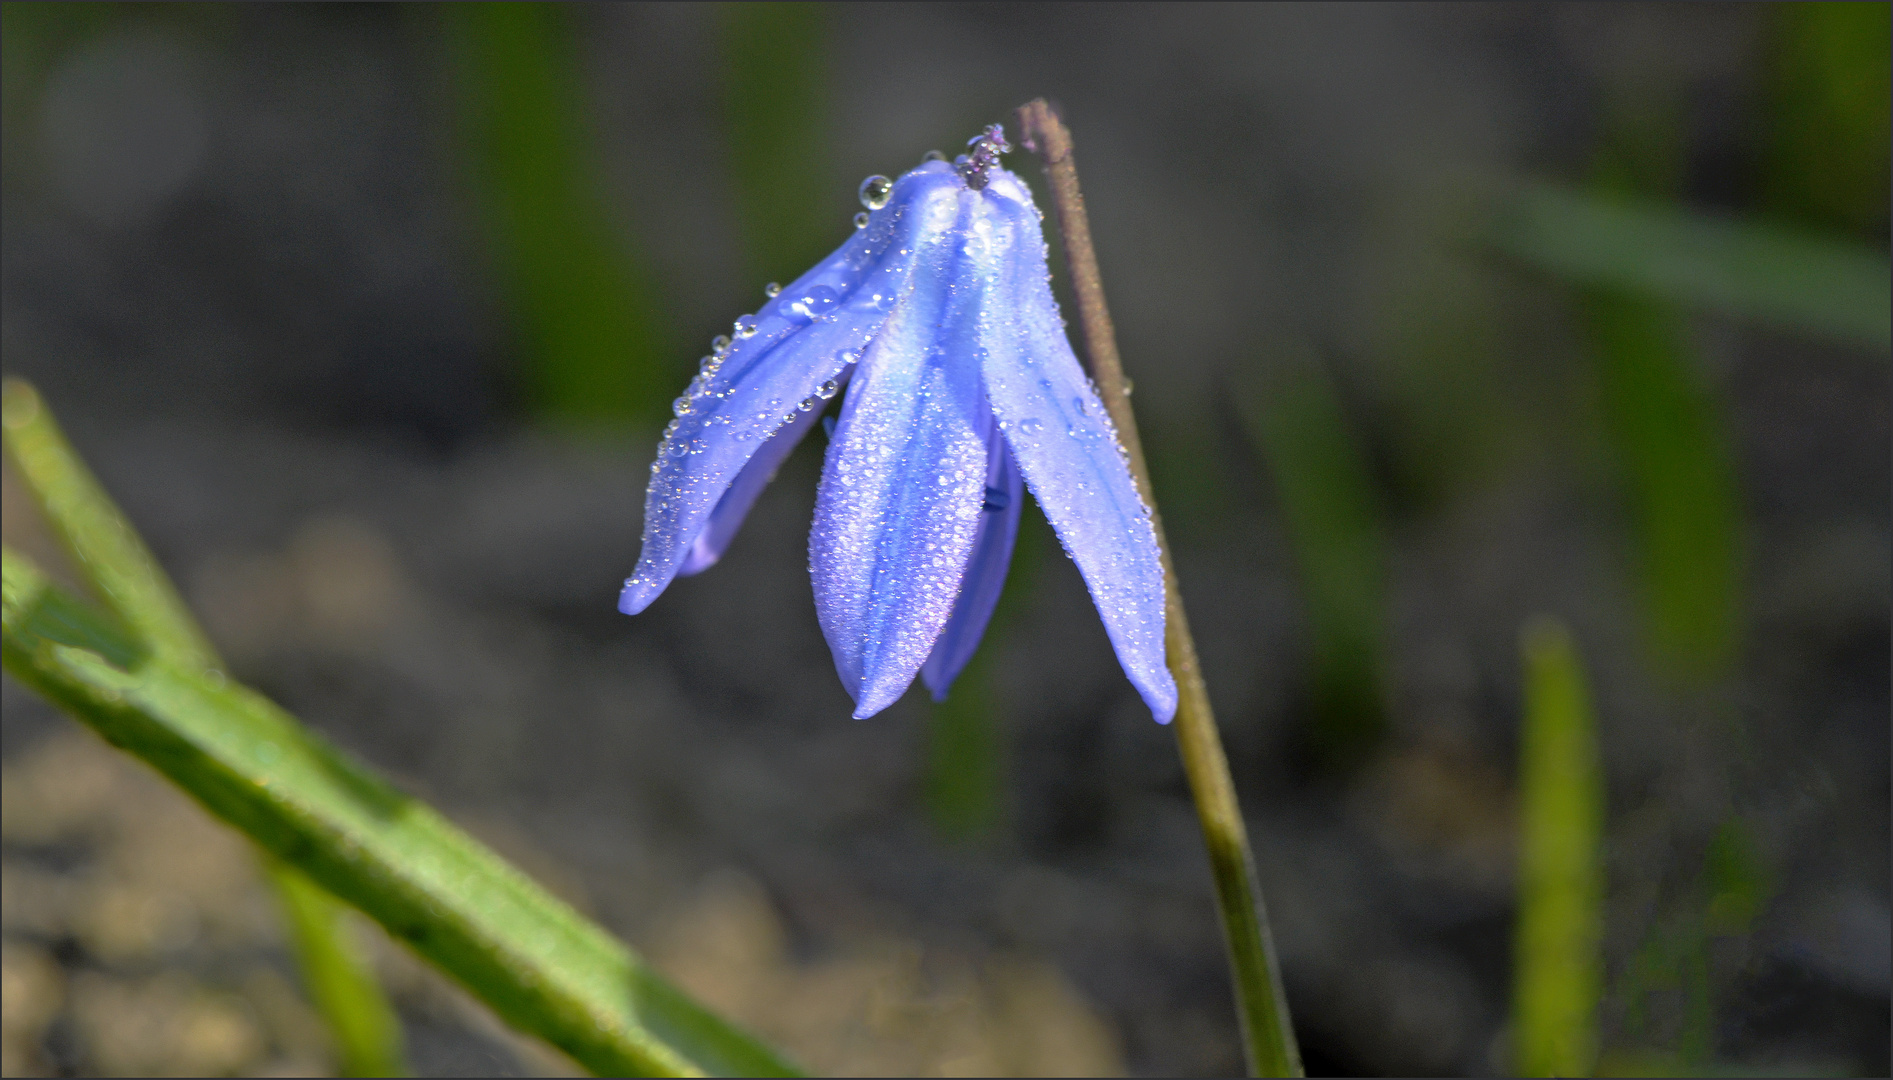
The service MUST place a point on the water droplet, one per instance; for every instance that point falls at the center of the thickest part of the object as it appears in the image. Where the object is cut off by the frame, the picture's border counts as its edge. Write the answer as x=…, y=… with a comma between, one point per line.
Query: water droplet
x=875, y=190
x=680, y=406
x=679, y=449
x=656, y=467
x=848, y=356
x=772, y=290
x=1128, y=386
x=670, y=429
x=720, y=344
x=1079, y=402
x=1031, y=425
x=811, y=305
x=861, y=220
x=827, y=390
x=708, y=366
x=933, y=155
x=746, y=326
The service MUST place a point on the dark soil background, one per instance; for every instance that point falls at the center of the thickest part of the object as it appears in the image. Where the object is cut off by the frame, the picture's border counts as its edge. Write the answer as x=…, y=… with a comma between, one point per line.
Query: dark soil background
x=245, y=262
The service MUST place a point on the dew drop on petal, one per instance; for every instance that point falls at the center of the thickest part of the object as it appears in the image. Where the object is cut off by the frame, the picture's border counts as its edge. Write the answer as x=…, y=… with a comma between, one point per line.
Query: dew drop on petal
x=1128, y=386
x=933, y=155
x=848, y=356
x=720, y=344
x=861, y=220
x=827, y=390
x=680, y=406
x=875, y=190
x=746, y=326
x=772, y=290
x=811, y=305
x=1031, y=425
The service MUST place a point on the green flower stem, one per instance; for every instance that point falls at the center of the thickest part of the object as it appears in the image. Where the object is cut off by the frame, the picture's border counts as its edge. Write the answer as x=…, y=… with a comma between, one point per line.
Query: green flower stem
x=116, y=563
x=1268, y=1036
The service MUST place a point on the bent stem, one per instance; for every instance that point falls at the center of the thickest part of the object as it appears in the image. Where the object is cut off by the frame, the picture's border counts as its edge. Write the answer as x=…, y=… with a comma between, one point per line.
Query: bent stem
x=1268, y=1038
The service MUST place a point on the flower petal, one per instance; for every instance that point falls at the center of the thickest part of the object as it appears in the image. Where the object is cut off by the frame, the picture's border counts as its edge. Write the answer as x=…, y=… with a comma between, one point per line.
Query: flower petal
x=734, y=506
x=801, y=340
x=898, y=506
x=1068, y=450
x=985, y=570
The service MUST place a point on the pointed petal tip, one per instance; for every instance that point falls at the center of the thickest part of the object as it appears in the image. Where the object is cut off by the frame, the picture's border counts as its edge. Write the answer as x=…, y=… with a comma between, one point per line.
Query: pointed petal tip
x=1162, y=700
x=633, y=599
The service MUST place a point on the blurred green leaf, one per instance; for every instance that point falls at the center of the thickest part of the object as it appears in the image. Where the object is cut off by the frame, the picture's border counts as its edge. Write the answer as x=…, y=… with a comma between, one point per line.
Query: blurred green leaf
x=1335, y=525
x=1557, y=962
x=1674, y=454
x=775, y=98
x=367, y=1033
x=1832, y=115
x=1830, y=287
x=588, y=312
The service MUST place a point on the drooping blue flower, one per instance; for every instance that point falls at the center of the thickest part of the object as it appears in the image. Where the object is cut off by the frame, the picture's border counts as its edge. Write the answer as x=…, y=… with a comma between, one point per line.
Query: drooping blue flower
x=961, y=389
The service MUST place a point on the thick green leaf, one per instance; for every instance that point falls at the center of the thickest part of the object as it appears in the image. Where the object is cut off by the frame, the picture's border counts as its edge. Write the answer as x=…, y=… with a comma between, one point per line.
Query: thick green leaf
x=149, y=616
x=1836, y=288
x=536, y=962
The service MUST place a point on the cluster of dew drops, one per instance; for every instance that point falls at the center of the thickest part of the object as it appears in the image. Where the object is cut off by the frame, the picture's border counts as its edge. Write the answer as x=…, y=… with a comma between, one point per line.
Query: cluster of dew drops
x=874, y=193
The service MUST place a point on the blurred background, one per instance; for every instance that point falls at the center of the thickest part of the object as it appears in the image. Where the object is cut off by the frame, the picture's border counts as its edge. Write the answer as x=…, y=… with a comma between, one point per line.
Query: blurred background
x=1443, y=320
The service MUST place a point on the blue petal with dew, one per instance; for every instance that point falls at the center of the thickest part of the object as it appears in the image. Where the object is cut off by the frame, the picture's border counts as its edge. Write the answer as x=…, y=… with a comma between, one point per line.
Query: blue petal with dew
x=898, y=507
x=797, y=343
x=985, y=570
x=1068, y=450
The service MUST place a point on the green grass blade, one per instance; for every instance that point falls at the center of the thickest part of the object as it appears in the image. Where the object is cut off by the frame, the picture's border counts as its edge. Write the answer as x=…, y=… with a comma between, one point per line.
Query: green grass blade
x=116, y=563
x=103, y=546
x=538, y=964
x=1557, y=961
x=366, y=1031
x=1334, y=519
x=775, y=100
x=1836, y=288
x=588, y=313
x=1679, y=474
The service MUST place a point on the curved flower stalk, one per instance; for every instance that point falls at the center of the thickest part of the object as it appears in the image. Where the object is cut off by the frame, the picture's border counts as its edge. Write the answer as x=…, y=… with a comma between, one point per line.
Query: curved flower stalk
x=961, y=390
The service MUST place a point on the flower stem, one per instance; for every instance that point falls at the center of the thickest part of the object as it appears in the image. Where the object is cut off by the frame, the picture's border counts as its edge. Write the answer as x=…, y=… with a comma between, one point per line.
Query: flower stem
x=1267, y=1035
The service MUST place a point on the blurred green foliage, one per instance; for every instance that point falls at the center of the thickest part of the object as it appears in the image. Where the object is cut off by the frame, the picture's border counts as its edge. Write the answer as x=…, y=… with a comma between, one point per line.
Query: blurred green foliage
x=776, y=105
x=1666, y=424
x=1336, y=528
x=1828, y=154
x=337, y=977
x=587, y=312
x=1557, y=958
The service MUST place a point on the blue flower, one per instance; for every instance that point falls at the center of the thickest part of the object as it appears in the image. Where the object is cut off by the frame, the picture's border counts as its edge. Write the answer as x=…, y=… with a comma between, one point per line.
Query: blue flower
x=937, y=317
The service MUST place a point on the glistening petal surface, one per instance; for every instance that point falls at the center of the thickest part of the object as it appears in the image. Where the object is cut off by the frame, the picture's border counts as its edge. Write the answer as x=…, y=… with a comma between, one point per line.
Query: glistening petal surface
x=1068, y=450
x=802, y=339
x=898, y=506
x=985, y=569
x=717, y=532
